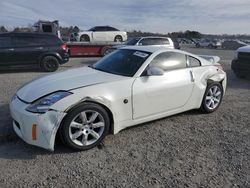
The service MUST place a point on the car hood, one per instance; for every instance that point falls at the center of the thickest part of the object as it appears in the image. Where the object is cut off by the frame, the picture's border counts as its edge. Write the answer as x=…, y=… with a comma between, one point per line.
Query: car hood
x=66, y=80
x=244, y=49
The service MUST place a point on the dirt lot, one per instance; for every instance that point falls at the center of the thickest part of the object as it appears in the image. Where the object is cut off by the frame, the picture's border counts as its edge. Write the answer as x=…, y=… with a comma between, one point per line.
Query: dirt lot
x=186, y=150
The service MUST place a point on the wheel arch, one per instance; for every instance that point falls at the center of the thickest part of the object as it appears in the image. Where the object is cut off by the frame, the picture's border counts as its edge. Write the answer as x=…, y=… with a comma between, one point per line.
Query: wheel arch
x=85, y=34
x=118, y=35
x=56, y=55
x=89, y=100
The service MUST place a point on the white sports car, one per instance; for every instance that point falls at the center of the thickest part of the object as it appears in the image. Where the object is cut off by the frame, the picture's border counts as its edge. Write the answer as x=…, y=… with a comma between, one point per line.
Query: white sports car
x=130, y=86
x=102, y=34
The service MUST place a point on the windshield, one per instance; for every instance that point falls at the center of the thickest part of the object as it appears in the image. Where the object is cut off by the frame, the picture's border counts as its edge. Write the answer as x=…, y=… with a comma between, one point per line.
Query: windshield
x=123, y=62
x=132, y=41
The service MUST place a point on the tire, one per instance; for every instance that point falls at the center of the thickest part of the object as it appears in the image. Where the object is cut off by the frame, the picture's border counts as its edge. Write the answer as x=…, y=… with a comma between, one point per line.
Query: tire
x=49, y=64
x=104, y=50
x=85, y=38
x=85, y=127
x=118, y=38
x=212, y=97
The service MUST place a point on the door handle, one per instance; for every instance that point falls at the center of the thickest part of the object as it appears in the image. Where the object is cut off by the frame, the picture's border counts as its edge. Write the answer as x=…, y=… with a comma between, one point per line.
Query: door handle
x=11, y=49
x=192, y=76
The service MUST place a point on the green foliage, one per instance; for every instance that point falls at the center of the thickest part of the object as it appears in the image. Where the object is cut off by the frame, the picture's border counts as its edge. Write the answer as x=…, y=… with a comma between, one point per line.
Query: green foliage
x=3, y=29
x=65, y=31
x=186, y=34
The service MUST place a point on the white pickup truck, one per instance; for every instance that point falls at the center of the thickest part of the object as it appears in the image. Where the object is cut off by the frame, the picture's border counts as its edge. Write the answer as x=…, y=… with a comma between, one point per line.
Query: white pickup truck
x=101, y=34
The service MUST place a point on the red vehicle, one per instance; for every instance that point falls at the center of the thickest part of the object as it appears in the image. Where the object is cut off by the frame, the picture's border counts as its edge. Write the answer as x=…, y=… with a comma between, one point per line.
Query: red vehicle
x=77, y=49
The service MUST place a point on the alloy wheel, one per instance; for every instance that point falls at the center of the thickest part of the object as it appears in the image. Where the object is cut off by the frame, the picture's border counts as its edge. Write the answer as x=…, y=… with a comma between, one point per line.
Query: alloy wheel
x=213, y=97
x=86, y=128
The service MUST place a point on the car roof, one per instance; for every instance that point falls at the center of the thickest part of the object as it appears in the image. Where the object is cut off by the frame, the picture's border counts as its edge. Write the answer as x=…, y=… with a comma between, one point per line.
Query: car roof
x=150, y=37
x=150, y=49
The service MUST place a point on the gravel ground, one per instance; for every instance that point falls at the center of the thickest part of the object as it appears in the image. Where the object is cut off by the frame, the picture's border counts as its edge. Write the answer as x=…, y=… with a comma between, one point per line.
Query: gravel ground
x=186, y=150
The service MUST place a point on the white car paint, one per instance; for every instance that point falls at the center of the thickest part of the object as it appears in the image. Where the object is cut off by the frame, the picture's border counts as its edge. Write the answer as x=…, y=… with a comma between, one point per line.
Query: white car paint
x=174, y=92
x=102, y=36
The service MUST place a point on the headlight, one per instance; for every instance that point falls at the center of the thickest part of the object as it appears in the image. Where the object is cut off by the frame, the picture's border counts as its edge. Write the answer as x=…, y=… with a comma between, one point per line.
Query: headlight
x=42, y=105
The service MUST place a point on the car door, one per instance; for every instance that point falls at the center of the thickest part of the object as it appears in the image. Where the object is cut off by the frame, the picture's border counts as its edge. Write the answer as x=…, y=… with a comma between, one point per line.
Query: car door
x=7, y=57
x=28, y=49
x=170, y=91
x=100, y=34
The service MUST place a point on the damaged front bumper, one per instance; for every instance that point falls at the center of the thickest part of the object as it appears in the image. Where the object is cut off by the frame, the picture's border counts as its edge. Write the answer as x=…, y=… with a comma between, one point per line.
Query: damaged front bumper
x=35, y=129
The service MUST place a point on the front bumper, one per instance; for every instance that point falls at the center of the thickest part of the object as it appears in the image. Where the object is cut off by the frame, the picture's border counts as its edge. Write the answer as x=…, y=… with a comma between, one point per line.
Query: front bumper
x=240, y=66
x=47, y=124
x=65, y=58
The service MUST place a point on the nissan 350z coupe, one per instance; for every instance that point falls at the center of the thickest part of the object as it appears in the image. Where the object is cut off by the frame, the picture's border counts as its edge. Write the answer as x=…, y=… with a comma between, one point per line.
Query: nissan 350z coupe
x=129, y=86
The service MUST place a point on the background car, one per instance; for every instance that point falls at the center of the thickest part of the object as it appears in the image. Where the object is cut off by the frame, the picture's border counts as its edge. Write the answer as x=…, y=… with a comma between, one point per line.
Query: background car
x=32, y=50
x=241, y=63
x=208, y=43
x=148, y=41
x=130, y=86
x=232, y=44
x=102, y=34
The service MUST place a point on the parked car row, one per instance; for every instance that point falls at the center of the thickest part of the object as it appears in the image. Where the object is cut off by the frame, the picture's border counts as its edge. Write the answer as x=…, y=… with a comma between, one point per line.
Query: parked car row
x=212, y=43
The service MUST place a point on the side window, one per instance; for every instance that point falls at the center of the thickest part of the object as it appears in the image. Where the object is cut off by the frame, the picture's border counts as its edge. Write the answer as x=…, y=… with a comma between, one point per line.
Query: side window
x=164, y=41
x=5, y=42
x=169, y=61
x=28, y=41
x=193, y=62
x=112, y=29
x=145, y=42
x=100, y=29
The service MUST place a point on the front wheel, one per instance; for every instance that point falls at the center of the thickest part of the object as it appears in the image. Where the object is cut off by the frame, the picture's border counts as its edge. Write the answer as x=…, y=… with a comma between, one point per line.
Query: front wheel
x=212, y=98
x=118, y=38
x=85, y=127
x=84, y=38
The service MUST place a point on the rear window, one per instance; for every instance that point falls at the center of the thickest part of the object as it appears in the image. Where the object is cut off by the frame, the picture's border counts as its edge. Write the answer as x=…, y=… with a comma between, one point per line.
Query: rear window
x=154, y=41
x=5, y=42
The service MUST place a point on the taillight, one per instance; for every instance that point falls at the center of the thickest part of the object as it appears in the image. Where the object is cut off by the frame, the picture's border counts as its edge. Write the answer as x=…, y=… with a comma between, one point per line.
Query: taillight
x=64, y=47
x=219, y=66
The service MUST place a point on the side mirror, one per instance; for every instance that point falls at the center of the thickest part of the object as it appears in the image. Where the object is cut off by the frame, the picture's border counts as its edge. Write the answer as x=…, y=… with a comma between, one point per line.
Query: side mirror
x=155, y=71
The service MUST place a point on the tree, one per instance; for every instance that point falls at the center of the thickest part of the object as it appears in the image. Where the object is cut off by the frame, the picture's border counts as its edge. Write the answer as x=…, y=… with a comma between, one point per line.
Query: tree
x=76, y=29
x=3, y=29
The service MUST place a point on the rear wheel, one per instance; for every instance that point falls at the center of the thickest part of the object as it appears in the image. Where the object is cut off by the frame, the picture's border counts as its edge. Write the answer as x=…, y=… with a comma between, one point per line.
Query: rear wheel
x=118, y=38
x=85, y=127
x=84, y=38
x=212, y=98
x=49, y=64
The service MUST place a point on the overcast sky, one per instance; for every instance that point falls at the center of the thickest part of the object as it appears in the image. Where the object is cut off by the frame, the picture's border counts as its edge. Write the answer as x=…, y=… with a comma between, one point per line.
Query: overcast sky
x=163, y=16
